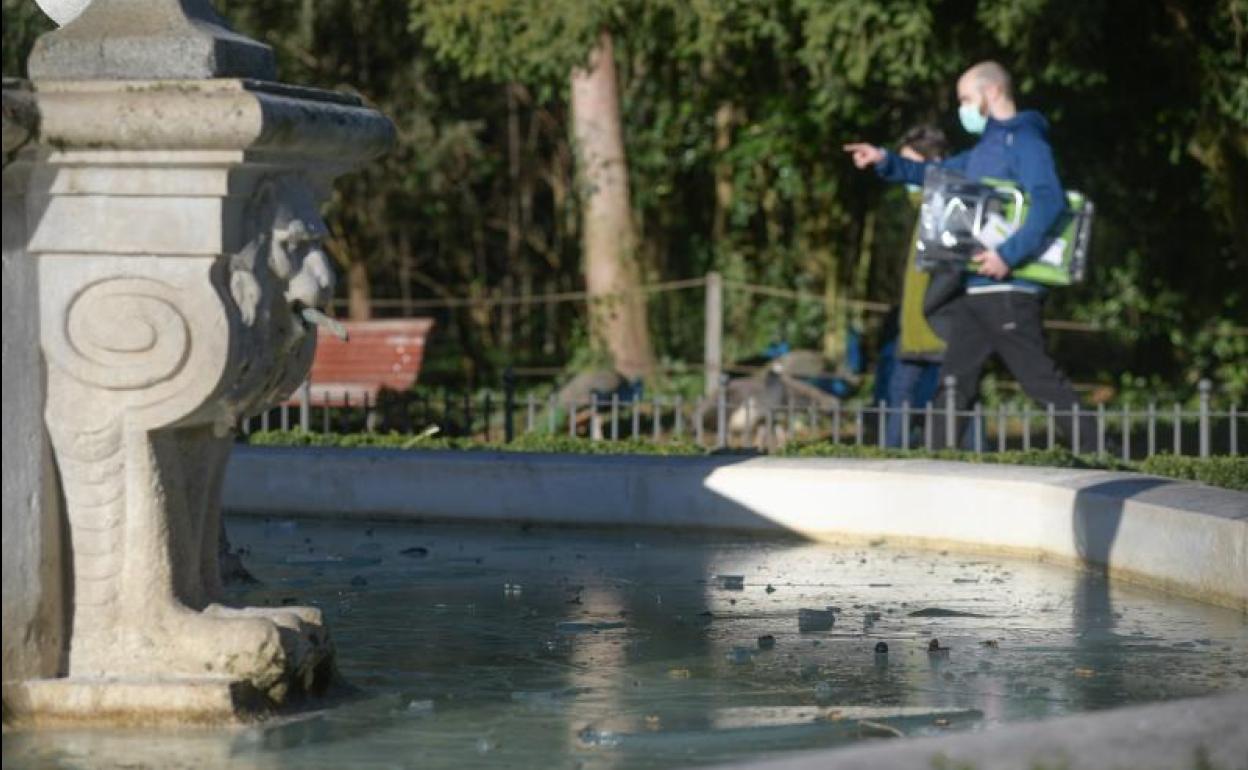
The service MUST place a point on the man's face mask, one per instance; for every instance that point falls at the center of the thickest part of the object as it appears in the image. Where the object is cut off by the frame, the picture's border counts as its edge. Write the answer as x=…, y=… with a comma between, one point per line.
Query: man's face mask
x=972, y=119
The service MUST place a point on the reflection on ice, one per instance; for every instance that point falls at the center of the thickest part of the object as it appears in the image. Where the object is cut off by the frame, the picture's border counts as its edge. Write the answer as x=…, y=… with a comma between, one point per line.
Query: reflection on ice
x=605, y=654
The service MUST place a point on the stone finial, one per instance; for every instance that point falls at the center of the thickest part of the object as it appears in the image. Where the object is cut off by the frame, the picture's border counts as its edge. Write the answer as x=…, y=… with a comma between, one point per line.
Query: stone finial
x=149, y=40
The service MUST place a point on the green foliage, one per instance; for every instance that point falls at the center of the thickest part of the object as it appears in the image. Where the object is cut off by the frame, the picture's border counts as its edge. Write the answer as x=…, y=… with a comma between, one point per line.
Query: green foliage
x=1048, y=458
x=23, y=22
x=734, y=112
x=1226, y=471
x=524, y=443
x=536, y=42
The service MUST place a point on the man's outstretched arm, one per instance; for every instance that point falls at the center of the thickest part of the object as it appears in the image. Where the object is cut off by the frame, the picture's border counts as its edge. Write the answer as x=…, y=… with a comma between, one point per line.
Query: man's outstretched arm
x=893, y=168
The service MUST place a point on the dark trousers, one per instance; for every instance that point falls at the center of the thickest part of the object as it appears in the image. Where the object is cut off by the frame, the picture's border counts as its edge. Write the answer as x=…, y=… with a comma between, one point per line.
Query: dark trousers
x=1006, y=323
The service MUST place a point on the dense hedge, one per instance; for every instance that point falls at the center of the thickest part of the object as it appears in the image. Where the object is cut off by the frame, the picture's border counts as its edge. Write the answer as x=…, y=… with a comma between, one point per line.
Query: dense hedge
x=1223, y=471
x=1048, y=458
x=525, y=443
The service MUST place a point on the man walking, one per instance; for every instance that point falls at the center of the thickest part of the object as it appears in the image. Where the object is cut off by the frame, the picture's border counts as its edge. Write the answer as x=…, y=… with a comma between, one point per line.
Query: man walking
x=998, y=313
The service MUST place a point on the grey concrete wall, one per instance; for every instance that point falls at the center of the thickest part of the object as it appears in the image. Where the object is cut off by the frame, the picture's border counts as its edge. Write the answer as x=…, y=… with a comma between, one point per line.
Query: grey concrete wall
x=33, y=627
x=1185, y=538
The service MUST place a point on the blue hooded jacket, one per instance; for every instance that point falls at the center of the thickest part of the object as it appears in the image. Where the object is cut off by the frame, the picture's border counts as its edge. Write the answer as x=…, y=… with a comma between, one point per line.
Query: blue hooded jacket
x=1018, y=150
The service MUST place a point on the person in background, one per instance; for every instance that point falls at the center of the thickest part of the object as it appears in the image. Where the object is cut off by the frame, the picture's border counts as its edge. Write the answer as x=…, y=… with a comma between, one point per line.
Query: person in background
x=924, y=318
x=999, y=313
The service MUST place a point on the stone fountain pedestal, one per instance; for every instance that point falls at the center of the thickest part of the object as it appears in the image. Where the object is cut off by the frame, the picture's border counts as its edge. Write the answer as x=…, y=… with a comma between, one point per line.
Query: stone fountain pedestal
x=172, y=209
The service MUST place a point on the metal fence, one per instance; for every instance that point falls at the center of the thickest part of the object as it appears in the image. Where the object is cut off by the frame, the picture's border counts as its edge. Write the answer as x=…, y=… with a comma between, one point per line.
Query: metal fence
x=1123, y=431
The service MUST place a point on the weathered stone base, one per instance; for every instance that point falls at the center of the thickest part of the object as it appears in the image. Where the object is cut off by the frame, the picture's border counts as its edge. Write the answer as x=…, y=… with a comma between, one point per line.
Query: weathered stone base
x=116, y=702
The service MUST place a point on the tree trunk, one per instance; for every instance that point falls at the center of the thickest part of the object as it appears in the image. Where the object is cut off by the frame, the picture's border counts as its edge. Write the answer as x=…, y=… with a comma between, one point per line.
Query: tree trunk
x=835, y=310
x=405, y=269
x=617, y=308
x=866, y=252
x=725, y=118
x=515, y=227
x=359, y=292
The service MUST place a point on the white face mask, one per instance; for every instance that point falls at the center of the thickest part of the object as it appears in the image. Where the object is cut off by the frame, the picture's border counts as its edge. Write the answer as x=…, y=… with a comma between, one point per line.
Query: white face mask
x=971, y=118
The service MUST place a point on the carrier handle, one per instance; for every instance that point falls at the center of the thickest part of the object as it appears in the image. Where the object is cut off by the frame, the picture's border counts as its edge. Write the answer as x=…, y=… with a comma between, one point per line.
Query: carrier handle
x=981, y=206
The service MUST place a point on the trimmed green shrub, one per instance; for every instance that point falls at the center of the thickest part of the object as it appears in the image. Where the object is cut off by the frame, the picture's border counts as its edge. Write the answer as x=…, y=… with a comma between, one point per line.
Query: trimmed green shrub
x=1048, y=458
x=525, y=443
x=1230, y=472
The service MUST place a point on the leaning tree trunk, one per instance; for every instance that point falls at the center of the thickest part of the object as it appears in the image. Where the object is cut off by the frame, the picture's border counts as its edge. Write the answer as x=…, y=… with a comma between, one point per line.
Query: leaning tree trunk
x=617, y=308
x=359, y=291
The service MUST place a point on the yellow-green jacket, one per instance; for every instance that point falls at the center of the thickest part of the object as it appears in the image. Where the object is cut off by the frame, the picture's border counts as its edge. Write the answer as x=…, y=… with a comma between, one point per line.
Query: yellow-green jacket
x=926, y=302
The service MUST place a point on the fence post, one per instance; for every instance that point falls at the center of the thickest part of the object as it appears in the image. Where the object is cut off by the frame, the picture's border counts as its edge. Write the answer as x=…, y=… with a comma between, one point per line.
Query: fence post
x=929, y=421
x=284, y=411
x=594, y=428
x=305, y=406
x=486, y=410
x=905, y=424
x=1152, y=429
x=951, y=384
x=1234, y=431
x=880, y=421
x=721, y=419
x=712, y=346
x=978, y=427
x=572, y=419
x=636, y=416
x=1001, y=428
x=1100, y=430
x=1027, y=427
x=679, y=409
x=1178, y=429
x=509, y=406
x=858, y=409
x=699, y=421
x=656, y=419
x=1051, y=427
x=550, y=414
x=615, y=416
x=1076, y=447
x=1126, y=433
x=1205, y=387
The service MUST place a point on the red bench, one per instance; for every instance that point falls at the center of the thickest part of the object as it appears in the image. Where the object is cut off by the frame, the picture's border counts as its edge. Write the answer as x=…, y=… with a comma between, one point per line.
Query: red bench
x=378, y=354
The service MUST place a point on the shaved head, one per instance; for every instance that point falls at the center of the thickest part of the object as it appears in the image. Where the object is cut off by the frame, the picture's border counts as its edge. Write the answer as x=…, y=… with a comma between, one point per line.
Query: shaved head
x=986, y=74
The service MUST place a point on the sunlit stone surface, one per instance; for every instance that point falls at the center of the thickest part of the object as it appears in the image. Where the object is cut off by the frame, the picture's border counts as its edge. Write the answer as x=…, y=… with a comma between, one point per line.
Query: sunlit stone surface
x=175, y=227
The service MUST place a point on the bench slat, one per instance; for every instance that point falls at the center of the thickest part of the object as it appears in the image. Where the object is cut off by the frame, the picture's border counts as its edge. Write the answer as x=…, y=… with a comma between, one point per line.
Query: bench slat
x=386, y=353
